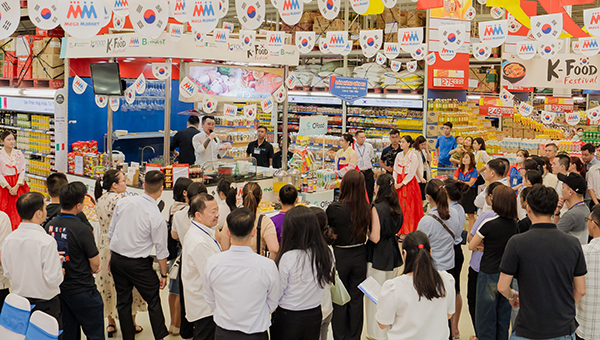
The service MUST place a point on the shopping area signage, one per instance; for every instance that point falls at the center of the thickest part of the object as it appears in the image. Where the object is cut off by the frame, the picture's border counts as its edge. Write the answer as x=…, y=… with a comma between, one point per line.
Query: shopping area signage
x=559, y=104
x=493, y=107
x=313, y=126
x=136, y=45
x=25, y=104
x=560, y=71
x=348, y=89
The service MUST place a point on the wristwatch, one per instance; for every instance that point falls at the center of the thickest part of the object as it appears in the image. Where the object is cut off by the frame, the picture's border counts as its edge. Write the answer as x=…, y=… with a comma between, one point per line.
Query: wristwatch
x=164, y=276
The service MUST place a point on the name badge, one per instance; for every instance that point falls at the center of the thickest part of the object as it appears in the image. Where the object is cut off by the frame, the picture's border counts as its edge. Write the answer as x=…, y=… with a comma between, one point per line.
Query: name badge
x=257, y=151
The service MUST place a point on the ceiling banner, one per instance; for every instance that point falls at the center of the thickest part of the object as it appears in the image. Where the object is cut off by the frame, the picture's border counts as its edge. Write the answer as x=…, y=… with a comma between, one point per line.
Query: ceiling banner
x=493, y=33
x=81, y=20
x=149, y=17
x=202, y=17
x=291, y=11
x=410, y=38
x=329, y=8
x=43, y=13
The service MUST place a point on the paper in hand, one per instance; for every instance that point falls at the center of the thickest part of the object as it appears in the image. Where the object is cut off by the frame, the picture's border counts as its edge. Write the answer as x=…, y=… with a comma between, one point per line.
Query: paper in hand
x=371, y=288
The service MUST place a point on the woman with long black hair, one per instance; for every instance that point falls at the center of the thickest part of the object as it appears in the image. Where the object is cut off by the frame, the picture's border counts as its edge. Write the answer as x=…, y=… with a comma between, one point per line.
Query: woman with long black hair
x=350, y=219
x=417, y=304
x=383, y=253
x=306, y=269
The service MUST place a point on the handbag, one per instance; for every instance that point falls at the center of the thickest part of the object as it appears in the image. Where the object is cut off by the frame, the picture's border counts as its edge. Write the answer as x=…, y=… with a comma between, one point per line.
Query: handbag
x=463, y=233
x=174, y=273
x=339, y=294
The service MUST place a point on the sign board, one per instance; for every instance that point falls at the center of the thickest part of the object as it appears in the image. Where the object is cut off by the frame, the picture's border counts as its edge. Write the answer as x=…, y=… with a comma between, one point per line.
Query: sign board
x=312, y=126
x=348, y=89
x=558, y=104
x=24, y=104
x=60, y=129
x=493, y=107
x=453, y=74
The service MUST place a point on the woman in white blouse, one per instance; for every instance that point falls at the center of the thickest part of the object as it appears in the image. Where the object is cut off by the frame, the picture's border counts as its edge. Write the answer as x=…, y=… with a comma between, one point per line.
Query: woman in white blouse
x=305, y=265
x=481, y=156
x=12, y=177
x=417, y=304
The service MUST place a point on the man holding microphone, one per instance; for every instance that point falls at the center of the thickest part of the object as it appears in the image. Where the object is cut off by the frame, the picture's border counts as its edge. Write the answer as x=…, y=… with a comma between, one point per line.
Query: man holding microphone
x=206, y=143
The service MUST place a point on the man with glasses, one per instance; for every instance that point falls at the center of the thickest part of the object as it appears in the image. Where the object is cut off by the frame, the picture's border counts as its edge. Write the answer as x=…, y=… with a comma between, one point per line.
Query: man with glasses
x=588, y=309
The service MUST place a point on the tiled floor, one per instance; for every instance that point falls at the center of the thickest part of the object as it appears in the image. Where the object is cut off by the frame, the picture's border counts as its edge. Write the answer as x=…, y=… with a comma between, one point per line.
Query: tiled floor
x=465, y=326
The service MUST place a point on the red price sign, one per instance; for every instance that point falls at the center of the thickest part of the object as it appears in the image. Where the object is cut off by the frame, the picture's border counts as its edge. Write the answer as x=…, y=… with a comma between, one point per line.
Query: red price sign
x=566, y=108
x=449, y=82
x=496, y=111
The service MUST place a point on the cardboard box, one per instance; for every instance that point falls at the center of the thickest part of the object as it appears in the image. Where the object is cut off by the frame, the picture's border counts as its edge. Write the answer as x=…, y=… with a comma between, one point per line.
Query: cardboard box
x=24, y=68
x=9, y=69
x=389, y=15
x=517, y=133
x=44, y=71
x=416, y=18
x=431, y=143
x=51, y=60
x=322, y=25
x=25, y=44
x=433, y=117
x=528, y=133
x=507, y=121
x=508, y=131
x=47, y=46
x=391, y=37
x=9, y=44
x=433, y=130
x=57, y=32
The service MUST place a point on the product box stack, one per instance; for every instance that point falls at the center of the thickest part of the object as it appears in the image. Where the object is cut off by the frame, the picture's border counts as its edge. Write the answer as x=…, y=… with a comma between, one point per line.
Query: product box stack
x=392, y=19
x=9, y=57
x=304, y=25
x=487, y=79
x=47, y=64
x=24, y=49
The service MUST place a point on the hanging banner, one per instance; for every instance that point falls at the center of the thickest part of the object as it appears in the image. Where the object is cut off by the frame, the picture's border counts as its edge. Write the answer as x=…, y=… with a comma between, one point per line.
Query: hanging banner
x=149, y=17
x=559, y=104
x=203, y=17
x=527, y=49
x=431, y=58
x=547, y=28
x=410, y=38
x=81, y=20
x=497, y=12
x=550, y=50
x=312, y=126
x=140, y=84
x=267, y=105
x=119, y=7
x=525, y=109
x=420, y=52
x=389, y=3
x=101, y=101
x=250, y=13
x=591, y=21
x=250, y=112
x=323, y=46
x=481, y=51
x=79, y=85
x=380, y=59
x=470, y=13
x=348, y=89
x=291, y=11
x=589, y=46
x=176, y=32
x=118, y=23
x=222, y=9
x=280, y=94
x=115, y=102
x=575, y=47
x=447, y=54
x=130, y=95
x=493, y=107
x=391, y=50
x=230, y=110
x=360, y=6
x=221, y=36
x=395, y=65
x=411, y=66
x=593, y=114
x=305, y=41
x=43, y=13
x=348, y=47
x=548, y=117
x=572, y=118
x=370, y=42
x=513, y=25
x=161, y=71
x=275, y=40
x=329, y=8
x=179, y=10
x=336, y=41
x=493, y=33
x=247, y=39
x=209, y=104
x=506, y=97
x=187, y=88
x=452, y=36
x=291, y=80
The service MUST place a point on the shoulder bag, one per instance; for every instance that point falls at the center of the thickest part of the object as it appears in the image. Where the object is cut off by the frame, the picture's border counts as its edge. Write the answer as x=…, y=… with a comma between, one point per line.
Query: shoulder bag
x=463, y=234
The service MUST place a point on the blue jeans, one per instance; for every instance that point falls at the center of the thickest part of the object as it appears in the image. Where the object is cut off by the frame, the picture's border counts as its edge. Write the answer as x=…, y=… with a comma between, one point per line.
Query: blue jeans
x=492, y=310
x=565, y=337
x=84, y=310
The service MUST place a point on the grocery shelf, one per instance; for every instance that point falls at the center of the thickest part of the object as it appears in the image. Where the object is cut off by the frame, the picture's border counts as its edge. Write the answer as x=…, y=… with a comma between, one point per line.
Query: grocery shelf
x=35, y=176
x=38, y=154
x=332, y=146
x=26, y=129
x=359, y=127
x=352, y=115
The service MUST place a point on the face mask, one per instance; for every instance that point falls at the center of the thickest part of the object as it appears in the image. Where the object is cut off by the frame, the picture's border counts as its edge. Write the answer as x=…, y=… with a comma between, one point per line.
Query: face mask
x=580, y=133
x=520, y=159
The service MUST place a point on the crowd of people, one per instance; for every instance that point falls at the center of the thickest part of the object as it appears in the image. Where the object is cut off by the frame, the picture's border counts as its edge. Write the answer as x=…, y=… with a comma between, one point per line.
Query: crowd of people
x=235, y=273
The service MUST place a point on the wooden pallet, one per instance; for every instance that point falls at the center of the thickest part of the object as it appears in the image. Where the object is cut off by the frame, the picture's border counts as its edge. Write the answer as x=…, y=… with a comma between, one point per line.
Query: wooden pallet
x=320, y=89
x=48, y=83
x=7, y=82
x=378, y=90
x=402, y=91
x=25, y=83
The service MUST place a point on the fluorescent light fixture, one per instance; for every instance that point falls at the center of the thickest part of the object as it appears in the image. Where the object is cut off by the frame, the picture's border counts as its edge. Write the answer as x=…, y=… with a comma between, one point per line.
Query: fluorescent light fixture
x=474, y=97
x=297, y=93
x=130, y=58
x=579, y=99
x=540, y=97
x=35, y=93
x=7, y=91
x=374, y=95
x=403, y=96
x=321, y=94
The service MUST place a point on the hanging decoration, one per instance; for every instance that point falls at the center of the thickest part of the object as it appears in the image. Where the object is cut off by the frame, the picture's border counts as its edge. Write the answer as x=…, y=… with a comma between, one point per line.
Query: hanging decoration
x=305, y=41
x=497, y=12
x=267, y=104
x=43, y=13
x=550, y=50
x=525, y=109
x=591, y=21
x=360, y=6
x=79, y=85
x=513, y=25
x=209, y=104
x=329, y=8
x=280, y=94
x=115, y=102
x=337, y=41
x=420, y=52
x=101, y=101
x=348, y=48
x=391, y=50
x=527, y=49
x=411, y=66
x=230, y=110
x=80, y=20
x=548, y=117
x=506, y=97
x=481, y=52
x=410, y=38
x=323, y=46
x=247, y=39
x=221, y=36
x=431, y=58
x=589, y=46
x=380, y=59
x=429, y=4
x=179, y=9
x=119, y=7
x=593, y=114
x=203, y=17
x=251, y=13
x=118, y=23
x=493, y=33
x=250, y=112
x=547, y=28
x=275, y=40
x=452, y=36
x=222, y=8
x=389, y=3
x=370, y=42
x=187, y=88
x=572, y=118
x=291, y=80
x=130, y=95
x=447, y=54
x=470, y=13
x=161, y=71
x=149, y=17
x=107, y=15
x=140, y=84
x=199, y=39
x=175, y=32
x=575, y=47
x=290, y=11
x=395, y=65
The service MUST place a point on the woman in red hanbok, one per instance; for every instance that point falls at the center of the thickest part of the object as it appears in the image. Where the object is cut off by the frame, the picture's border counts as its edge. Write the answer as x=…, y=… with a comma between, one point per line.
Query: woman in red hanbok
x=12, y=177
x=409, y=193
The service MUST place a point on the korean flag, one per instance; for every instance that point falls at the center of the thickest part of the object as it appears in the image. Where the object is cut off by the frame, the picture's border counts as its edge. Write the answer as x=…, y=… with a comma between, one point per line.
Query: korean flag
x=251, y=13
x=149, y=17
x=247, y=39
x=329, y=8
x=305, y=41
x=452, y=36
x=370, y=42
x=548, y=117
x=43, y=13
x=481, y=51
x=547, y=28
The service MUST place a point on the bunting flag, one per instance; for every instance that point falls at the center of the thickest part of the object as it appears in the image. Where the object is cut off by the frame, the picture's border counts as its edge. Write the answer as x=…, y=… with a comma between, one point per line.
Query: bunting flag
x=481, y=52
x=247, y=39
x=527, y=49
x=79, y=25
x=547, y=28
x=149, y=17
x=370, y=42
x=329, y=8
x=250, y=13
x=203, y=18
x=305, y=41
x=43, y=13
x=548, y=117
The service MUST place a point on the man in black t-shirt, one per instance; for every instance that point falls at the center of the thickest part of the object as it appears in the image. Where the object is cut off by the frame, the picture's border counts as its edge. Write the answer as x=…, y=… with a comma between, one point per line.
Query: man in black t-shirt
x=261, y=149
x=183, y=140
x=81, y=303
x=388, y=155
x=550, y=268
x=54, y=182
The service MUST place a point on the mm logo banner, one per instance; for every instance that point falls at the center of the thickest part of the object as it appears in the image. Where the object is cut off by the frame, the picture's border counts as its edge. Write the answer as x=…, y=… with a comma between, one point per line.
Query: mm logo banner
x=336, y=41
x=493, y=33
x=410, y=38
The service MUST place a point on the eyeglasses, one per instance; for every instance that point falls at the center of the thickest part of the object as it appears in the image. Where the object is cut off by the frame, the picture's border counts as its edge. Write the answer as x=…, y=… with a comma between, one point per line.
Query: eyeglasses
x=587, y=219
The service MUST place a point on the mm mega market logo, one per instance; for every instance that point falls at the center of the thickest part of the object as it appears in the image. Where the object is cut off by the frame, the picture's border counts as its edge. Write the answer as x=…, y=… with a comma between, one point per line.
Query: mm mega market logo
x=77, y=11
x=134, y=42
x=275, y=39
x=291, y=5
x=409, y=36
x=391, y=48
x=203, y=9
x=493, y=31
x=121, y=4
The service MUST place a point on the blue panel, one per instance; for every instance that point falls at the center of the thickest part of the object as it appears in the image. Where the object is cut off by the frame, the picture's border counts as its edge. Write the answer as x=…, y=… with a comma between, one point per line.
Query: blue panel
x=447, y=94
x=91, y=122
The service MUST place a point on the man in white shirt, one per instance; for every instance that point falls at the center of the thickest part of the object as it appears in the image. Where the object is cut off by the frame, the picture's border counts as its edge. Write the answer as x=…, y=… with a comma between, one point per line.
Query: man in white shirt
x=136, y=227
x=365, y=155
x=200, y=244
x=588, y=309
x=5, y=230
x=494, y=172
x=206, y=143
x=241, y=286
x=30, y=258
x=593, y=181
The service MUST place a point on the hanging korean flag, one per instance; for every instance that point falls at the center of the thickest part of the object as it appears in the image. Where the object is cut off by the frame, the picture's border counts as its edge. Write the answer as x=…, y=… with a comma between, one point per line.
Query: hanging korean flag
x=140, y=84
x=572, y=118
x=115, y=102
x=251, y=13
x=291, y=80
x=497, y=12
x=513, y=25
x=493, y=33
x=199, y=39
x=527, y=49
x=247, y=39
x=130, y=95
x=305, y=41
x=447, y=54
x=118, y=22
x=470, y=13
x=323, y=45
x=547, y=28
x=222, y=8
x=420, y=52
x=280, y=94
x=221, y=36
x=80, y=20
x=203, y=17
x=431, y=58
x=79, y=85
x=506, y=97
x=187, y=88
x=250, y=111
x=525, y=109
x=410, y=38
x=591, y=21
x=179, y=9
x=452, y=36
x=149, y=17
x=360, y=6
x=411, y=66
x=481, y=51
x=391, y=50
x=161, y=71
x=589, y=46
x=380, y=58
x=267, y=104
x=43, y=13
x=101, y=101
x=395, y=65
x=119, y=7
x=275, y=40
x=389, y=3
x=548, y=117
x=337, y=41
x=291, y=11
x=593, y=114
x=348, y=47
x=209, y=104
x=329, y=8
x=550, y=50
x=175, y=32
x=370, y=41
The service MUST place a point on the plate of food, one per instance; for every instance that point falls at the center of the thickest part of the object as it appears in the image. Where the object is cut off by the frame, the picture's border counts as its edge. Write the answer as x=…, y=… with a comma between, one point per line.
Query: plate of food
x=514, y=72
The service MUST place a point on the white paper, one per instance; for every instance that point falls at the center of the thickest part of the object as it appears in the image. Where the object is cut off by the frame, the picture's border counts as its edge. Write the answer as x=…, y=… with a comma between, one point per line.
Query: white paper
x=371, y=288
